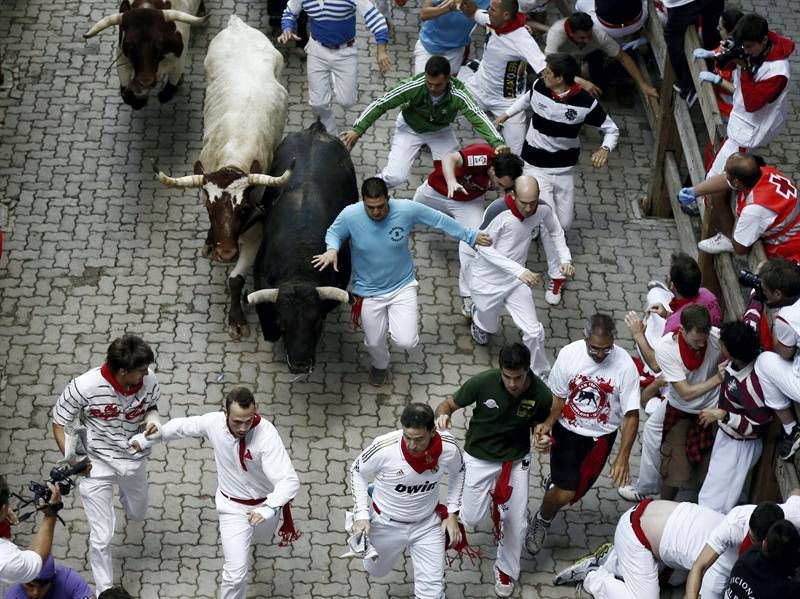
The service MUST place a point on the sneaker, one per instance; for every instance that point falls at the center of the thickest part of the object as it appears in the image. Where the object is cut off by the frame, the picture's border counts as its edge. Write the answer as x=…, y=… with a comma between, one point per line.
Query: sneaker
x=692, y=208
x=536, y=534
x=479, y=336
x=466, y=307
x=631, y=493
x=503, y=585
x=553, y=293
x=582, y=593
x=378, y=376
x=715, y=245
x=577, y=571
x=661, y=284
x=689, y=96
x=789, y=444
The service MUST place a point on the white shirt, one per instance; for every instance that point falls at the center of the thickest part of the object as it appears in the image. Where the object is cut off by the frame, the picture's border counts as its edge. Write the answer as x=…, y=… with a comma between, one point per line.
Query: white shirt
x=111, y=418
x=496, y=268
x=787, y=331
x=752, y=223
x=668, y=356
x=501, y=75
x=18, y=565
x=754, y=129
x=731, y=532
x=596, y=395
x=269, y=470
x=400, y=492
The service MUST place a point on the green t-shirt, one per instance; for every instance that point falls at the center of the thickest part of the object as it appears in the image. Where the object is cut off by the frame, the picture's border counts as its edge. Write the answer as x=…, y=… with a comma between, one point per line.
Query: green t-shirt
x=500, y=427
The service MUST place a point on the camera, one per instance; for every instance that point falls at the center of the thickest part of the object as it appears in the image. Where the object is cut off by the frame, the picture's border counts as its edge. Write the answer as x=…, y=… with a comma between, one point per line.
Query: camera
x=41, y=492
x=730, y=51
x=749, y=279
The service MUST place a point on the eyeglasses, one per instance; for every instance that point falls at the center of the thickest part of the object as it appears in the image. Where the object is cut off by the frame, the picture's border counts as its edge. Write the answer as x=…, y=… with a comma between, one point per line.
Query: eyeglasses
x=598, y=351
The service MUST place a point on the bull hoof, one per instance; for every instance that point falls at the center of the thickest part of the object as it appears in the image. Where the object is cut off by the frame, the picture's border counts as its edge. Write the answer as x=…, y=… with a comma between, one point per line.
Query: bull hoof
x=135, y=102
x=166, y=94
x=207, y=249
x=238, y=330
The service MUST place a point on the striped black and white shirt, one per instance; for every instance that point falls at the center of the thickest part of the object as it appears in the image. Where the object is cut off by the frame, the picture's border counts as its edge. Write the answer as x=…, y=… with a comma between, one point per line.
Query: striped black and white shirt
x=553, y=137
x=111, y=416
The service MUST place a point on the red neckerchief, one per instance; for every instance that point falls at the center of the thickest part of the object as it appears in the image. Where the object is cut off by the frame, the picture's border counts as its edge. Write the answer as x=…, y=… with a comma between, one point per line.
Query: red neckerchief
x=746, y=544
x=109, y=376
x=500, y=495
x=463, y=547
x=568, y=30
x=512, y=25
x=428, y=459
x=512, y=205
x=573, y=89
x=288, y=532
x=242, y=447
x=692, y=358
x=676, y=303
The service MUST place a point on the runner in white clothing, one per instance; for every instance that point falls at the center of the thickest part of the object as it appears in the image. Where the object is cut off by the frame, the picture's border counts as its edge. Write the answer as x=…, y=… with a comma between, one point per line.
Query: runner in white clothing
x=407, y=466
x=255, y=480
x=650, y=534
x=498, y=276
x=111, y=403
x=744, y=526
x=501, y=76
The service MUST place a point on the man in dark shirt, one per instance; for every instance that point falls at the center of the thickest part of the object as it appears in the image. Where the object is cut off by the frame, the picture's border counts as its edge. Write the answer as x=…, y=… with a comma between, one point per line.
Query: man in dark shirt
x=508, y=403
x=764, y=572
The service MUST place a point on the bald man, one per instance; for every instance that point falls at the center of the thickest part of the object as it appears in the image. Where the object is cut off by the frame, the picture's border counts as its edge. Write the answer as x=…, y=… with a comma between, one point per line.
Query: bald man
x=766, y=208
x=499, y=277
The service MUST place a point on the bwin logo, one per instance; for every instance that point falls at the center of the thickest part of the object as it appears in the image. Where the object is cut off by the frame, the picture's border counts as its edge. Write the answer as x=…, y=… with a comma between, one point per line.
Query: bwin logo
x=423, y=488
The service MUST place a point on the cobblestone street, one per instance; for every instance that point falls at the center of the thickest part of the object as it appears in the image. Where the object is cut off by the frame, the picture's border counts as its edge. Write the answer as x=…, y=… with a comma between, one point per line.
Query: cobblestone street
x=95, y=247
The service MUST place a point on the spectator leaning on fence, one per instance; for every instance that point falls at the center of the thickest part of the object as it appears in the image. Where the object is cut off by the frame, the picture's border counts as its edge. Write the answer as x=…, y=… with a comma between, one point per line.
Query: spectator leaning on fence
x=722, y=76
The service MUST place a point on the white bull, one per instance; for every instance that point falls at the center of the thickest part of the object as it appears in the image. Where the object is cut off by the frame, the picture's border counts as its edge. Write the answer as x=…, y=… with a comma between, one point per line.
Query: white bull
x=244, y=116
x=153, y=45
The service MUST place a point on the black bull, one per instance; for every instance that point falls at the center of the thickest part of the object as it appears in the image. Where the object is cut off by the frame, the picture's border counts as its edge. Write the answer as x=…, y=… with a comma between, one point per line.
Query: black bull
x=322, y=183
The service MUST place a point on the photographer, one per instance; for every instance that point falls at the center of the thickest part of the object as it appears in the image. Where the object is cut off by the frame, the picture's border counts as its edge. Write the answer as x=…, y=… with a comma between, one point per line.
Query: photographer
x=18, y=565
x=760, y=81
x=766, y=209
x=53, y=582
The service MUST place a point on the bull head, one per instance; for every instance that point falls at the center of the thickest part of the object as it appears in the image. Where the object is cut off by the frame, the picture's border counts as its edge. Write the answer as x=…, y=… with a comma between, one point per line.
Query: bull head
x=227, y=197
x=146, y=37
x=299, y=312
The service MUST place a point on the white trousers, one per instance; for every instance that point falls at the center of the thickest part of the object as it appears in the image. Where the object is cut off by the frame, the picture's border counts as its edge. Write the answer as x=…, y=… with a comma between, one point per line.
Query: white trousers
x=237, y=534
x=97, y=495
x=425, y=542
x=727, y=149
x=731, y=461
x=421, y=56
x=396, y=313
x=518, y=300
x=405, y=147
x=629, y=560
x=469, y=214
x=480, y=478
x=649, y=475
x=780, y=384
x=328, y=70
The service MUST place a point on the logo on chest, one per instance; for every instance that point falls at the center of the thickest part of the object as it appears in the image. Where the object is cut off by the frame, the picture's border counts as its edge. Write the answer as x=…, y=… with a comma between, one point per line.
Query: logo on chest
x=247, y=455
x=571, y=114
x=396, y=234
x=412, y=489
x=482, y=160
x=491, y=404
x=109, y=412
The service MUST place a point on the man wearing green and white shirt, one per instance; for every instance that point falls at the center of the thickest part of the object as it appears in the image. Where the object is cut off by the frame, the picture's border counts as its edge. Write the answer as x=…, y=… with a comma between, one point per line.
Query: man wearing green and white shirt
x=431, y=101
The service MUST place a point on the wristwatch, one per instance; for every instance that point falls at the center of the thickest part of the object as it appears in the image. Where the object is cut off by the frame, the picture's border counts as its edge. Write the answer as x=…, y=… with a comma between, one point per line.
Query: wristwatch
x=606, y=148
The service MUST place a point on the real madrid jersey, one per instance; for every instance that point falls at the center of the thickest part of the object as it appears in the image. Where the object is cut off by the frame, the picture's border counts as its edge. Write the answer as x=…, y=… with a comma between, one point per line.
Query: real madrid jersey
x=596, y=395
x=399, y=491
x=500, y=426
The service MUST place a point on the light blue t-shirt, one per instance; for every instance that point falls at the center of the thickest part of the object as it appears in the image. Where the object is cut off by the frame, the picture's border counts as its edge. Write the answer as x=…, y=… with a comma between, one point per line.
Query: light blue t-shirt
x=450, y=31
x=380, y=255
x=67, y=584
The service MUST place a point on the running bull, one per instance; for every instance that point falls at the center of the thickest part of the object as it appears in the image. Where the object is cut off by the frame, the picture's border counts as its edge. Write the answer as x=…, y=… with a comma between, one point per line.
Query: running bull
x=153, y=43
x=293, y=297
x=244, y=115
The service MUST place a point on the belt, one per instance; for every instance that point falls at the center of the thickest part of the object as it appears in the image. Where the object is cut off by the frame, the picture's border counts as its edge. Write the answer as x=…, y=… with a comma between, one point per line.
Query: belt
x=378, y=511
x=636, y=522
x=244, y=501
x=619, y=25
x=347, y=44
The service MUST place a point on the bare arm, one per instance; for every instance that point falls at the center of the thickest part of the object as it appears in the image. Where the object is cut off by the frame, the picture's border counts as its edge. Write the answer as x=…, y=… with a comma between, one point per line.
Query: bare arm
x=429, y=11
x=633, y=70
x=715, y=184
x=784, y=351
x=42, y=543
x=687, y=391
x=620, y=469
x=58, y=435
x=701, y=565
x=443, y=411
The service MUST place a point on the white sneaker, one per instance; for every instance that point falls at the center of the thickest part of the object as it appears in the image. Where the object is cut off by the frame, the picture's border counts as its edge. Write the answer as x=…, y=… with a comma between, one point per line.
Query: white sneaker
x=631, y=493
x=479, y=336
x=503, y=584
x=466, y=307
x=553, y=293
x=536, y=534
x=716, y=245
x=578, y=571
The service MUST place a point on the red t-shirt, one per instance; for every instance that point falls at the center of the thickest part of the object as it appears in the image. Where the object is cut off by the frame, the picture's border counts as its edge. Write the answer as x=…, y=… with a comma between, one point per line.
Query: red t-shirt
x=473, y=175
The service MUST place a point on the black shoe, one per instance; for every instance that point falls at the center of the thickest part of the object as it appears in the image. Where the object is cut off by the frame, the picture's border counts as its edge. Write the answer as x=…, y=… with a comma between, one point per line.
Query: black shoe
x=688, y=95
x=789, y=444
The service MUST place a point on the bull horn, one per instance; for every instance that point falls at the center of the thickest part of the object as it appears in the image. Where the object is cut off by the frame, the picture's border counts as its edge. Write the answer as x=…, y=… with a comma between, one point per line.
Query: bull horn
x=183, y=17
x=258, y=179
x=263, y=296
x=187, y=181
x=104, y=23
x=333, y=293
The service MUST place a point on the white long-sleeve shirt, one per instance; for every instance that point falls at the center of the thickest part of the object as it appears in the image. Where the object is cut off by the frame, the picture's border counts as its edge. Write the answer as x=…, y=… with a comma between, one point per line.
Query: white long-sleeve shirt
x=269, y=470
x=18, y=565
x=401, y=492
x=497, y=267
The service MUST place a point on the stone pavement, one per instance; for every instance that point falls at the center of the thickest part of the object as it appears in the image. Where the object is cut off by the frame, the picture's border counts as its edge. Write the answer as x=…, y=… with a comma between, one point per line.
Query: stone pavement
x=95, y=247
